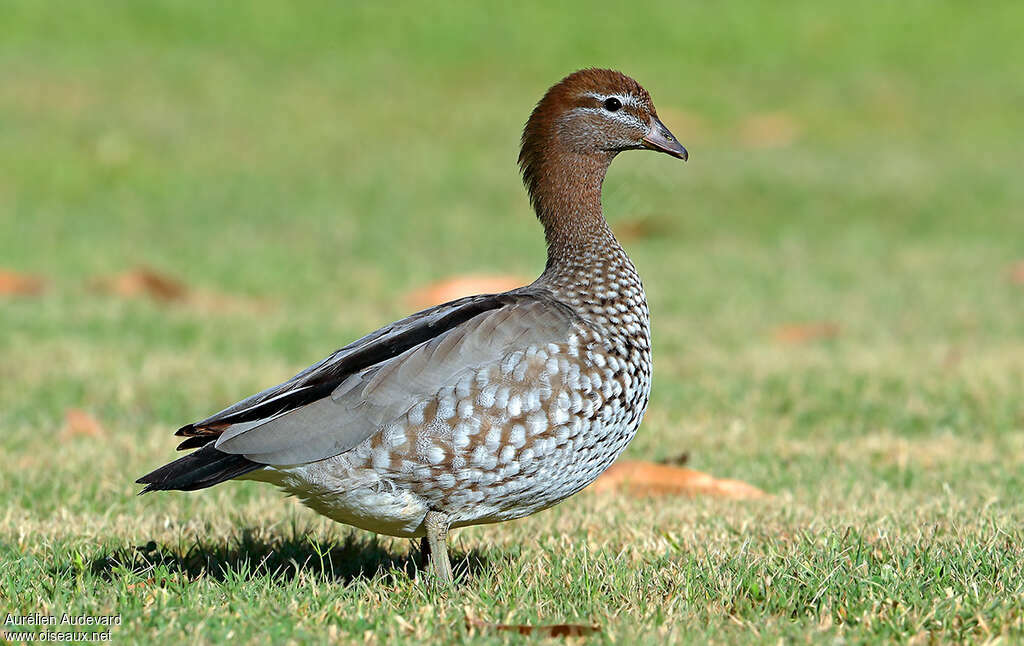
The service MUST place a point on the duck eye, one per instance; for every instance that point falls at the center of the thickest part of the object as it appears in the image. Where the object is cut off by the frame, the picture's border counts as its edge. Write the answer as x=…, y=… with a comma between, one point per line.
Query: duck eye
x=612, y=104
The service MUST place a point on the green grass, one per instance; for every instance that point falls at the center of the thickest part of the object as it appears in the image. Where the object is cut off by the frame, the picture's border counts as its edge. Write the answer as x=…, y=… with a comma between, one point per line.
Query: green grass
x=315, y=163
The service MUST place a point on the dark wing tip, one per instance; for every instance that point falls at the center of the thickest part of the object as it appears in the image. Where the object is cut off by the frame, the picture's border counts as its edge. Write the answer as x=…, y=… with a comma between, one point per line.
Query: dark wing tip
x=187, y=430
x=199, y=428
x=198, y=470
x=196, y=442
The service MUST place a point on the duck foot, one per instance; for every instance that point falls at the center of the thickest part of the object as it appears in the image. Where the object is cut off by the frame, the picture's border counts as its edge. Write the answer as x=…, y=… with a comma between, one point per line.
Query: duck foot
x=434, y=546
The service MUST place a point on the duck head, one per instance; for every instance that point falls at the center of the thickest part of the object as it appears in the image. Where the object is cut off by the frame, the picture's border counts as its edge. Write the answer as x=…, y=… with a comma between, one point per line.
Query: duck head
x=598, y=112
x=571, y=137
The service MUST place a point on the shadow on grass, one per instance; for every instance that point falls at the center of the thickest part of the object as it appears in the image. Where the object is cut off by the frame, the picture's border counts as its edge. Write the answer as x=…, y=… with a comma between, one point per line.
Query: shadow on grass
x=253, y=554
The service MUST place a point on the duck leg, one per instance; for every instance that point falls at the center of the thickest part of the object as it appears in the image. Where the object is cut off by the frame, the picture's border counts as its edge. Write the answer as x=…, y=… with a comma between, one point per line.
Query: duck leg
x=436, y=524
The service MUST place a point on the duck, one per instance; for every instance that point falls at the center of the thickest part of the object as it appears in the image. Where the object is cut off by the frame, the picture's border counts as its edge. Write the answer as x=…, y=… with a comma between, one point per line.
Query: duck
x=483, y=409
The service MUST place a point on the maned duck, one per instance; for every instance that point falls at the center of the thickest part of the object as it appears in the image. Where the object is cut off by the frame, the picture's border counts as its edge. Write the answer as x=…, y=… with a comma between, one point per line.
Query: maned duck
x=487, y=408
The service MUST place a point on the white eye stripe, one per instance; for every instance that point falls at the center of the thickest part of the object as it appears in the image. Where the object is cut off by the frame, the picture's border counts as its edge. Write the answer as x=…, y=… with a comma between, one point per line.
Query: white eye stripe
x=619, y=115
x=625, y=99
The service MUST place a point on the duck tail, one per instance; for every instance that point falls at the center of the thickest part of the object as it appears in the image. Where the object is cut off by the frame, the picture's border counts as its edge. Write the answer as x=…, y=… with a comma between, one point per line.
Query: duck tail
x=198, y=470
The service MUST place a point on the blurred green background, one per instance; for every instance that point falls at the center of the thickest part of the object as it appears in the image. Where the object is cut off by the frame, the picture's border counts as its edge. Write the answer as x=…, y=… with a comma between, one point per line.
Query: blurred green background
x=303, y=166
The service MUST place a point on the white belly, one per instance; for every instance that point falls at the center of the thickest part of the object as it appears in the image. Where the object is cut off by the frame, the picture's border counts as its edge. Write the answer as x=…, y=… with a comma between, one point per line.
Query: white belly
x=351, y=495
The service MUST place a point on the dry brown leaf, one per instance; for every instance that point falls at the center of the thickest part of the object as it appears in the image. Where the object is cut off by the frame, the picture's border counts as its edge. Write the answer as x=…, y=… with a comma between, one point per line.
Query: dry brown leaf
x=1017, y=273
x=143, y=281
x=13, y=283
x=553, y=630
x=641, y=227
x=642, y=478
x=768, y=130
x=459, y=286
x=79, y=422
x=676, y=460
x=796, y=333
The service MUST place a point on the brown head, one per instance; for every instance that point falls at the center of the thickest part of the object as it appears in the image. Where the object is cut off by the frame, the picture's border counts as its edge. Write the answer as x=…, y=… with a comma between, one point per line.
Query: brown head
x=572, y=136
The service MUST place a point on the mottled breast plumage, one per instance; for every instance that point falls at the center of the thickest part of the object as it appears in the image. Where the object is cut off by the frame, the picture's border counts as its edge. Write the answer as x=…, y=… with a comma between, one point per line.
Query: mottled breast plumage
x=514, y=435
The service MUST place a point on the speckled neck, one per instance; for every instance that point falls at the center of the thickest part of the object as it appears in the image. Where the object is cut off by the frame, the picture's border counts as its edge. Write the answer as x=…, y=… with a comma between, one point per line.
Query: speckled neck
x=565, y=189
x=586, y=268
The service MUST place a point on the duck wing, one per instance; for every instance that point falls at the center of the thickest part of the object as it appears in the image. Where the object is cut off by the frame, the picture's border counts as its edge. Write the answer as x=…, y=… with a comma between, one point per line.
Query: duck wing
x=364, y=399
x=320, y=379
x=336, y=404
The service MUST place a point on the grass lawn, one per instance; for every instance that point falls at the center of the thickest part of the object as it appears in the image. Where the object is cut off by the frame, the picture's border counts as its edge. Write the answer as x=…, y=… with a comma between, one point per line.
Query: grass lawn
x=304, y=166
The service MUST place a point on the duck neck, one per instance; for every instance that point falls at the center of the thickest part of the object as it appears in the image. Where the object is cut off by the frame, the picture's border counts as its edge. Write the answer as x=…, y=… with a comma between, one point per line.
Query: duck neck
x=566, y=194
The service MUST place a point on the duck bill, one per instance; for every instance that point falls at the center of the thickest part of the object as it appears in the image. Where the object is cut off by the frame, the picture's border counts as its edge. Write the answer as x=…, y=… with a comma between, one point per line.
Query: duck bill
x=660, y=139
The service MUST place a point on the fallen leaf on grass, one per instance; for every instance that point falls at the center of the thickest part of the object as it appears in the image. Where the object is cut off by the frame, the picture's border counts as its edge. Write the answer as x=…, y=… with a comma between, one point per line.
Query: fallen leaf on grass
x=143, y=281
x=1017, y=273
x=641, y=478
x=641, y=227
x=796, y=333
x=13, y=283
x=768, y=130
x=79, y=422
x=676, y=460
x=459, y=286
x=554, y=630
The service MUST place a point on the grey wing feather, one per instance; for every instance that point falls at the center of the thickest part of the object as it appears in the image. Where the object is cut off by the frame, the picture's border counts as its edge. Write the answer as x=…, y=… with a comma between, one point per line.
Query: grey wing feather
x=318, y=380
x=378, y=395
